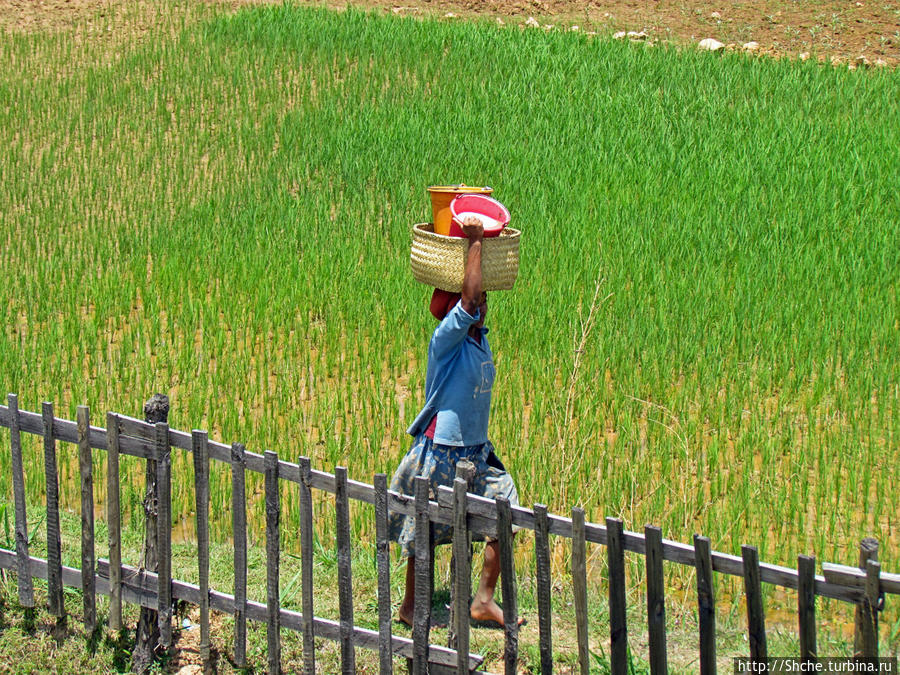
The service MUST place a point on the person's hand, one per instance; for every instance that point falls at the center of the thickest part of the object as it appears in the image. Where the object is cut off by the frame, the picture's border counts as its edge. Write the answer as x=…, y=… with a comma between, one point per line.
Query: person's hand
x=473, y=228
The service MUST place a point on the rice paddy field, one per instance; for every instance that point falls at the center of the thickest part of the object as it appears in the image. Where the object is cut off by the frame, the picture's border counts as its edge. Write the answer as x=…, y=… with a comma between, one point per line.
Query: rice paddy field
x=704, y=334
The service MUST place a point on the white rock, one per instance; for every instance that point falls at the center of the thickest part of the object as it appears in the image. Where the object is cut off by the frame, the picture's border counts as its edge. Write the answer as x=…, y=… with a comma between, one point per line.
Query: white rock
x=192, y=669
x=575, y=28
x=804, y=56
x=862, y=61
x=751, y=46
x=715, y=15
x=637, y=35
x=880, y=63
x=449, y=15
x=499, y=21
x=531, y=21
x=620, y=35
x=710, y=44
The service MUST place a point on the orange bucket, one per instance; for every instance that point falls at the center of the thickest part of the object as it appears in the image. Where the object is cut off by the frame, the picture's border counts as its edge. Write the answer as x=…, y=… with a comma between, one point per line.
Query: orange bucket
x=441, y=196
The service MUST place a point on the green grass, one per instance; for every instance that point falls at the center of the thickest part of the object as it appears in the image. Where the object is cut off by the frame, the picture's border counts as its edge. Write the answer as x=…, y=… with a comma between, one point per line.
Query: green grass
x=222, y=212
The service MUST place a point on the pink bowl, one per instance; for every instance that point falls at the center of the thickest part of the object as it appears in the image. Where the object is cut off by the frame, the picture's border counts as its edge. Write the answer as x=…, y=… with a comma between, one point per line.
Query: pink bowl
x=493, y=215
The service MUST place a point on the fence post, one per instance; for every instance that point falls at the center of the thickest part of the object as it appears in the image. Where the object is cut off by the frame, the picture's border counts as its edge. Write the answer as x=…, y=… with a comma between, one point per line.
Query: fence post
x=466, y=471
x=88, y=585
x=239, y=528
x=656, y=600
x=306, y=567
x=114, y=521
x=156, y=409
x=618, y=639
x=508, y=585
x=23, y=562
x=756, y=623
x=273, y=558
x=542, y=569
x=164, y=532
x=706, y=601
x=579, y=589
x=383, y=558
x=345, y=571
x=806, y=605
x=54, y=546
x=865, y=640
x=200, y=446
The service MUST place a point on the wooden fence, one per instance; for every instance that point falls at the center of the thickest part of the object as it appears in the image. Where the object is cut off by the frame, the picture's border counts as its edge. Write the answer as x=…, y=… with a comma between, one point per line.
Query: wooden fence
x=866, y=586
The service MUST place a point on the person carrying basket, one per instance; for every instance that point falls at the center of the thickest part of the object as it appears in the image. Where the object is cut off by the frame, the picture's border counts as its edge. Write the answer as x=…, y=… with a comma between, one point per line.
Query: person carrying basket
x=452, y=426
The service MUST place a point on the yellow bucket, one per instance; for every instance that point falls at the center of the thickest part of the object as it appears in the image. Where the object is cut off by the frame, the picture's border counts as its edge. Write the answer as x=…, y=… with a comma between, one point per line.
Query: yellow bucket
x=441, y=196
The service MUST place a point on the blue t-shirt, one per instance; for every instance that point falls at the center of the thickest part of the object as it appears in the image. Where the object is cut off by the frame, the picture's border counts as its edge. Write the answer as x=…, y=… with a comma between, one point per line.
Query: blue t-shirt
x=458, y=382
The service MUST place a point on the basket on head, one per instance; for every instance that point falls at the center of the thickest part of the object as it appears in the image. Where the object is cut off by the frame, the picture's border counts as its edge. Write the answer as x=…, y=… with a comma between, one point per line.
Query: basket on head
x=440, y=261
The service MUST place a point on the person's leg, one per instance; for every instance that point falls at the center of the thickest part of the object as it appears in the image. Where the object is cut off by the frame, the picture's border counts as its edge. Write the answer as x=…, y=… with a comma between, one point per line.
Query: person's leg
x=484, y=607
x=407, y=606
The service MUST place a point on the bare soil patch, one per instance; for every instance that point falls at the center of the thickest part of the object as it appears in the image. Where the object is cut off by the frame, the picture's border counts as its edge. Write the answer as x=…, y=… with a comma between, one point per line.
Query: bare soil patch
x=852, y=32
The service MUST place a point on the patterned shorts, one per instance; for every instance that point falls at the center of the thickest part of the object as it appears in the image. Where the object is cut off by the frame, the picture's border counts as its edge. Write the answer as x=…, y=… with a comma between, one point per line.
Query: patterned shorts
x=438, y=464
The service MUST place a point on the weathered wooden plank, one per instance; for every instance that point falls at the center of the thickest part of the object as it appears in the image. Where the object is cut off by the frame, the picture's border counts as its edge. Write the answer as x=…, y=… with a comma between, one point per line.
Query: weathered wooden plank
x=706, y=602
x=345, y=572
x=508, y=586
x=865, y=638
x=806, y=606
x=273, y=562
x=201, y=494
x=164, y=534
x=872, y=602
x=542, y=573
x=579, y=589
x=239, y=532
x=86, y=473
x=618, y=631
x=756, y=620
x=853, y=580
x=656, y=601
x=383, y=562
x=114, y=522
x=54, y=545
x=23, y=567
x=462, y=576
x=422, y=596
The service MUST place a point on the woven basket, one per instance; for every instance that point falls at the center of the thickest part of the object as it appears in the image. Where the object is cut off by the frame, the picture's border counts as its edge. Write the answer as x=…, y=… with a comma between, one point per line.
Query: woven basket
x=440, y=261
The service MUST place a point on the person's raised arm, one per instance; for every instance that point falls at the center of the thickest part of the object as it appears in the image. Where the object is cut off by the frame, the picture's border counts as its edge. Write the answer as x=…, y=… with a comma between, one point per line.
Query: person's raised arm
x=471, y=289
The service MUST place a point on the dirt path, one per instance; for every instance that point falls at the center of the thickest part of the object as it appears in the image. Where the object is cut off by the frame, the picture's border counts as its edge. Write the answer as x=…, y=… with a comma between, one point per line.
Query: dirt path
x=852, y=32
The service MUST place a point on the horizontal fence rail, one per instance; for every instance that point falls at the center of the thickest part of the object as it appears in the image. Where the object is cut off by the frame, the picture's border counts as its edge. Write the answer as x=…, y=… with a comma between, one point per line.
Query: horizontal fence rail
x=865, y=587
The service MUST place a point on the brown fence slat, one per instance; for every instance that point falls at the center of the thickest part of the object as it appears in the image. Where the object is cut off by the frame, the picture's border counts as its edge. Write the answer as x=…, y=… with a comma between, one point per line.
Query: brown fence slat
x=865, y=639
x=54, y=545
x=273, y=562
x=86, y=473
x=383, y=561
x=201, y=494
x=542, y=567
x=618, y=630
x=706, y=602
x=462, y=576
x=508, y=586
x=872, y=601
x=239, y=532
x=306, y=568
x=806, y=606
x=756, y=620
x=23, y=563
x=345, y=571
x=422, y=575
x=164, y=533
x=114, y=522
x=579, y=589
x=656, y=601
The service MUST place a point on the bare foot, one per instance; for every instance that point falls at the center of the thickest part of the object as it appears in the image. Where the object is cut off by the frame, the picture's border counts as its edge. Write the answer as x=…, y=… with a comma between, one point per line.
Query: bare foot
x=488, y=612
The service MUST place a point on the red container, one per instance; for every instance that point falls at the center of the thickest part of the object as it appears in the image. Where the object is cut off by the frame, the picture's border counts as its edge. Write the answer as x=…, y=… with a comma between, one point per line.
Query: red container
x=493, y=215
